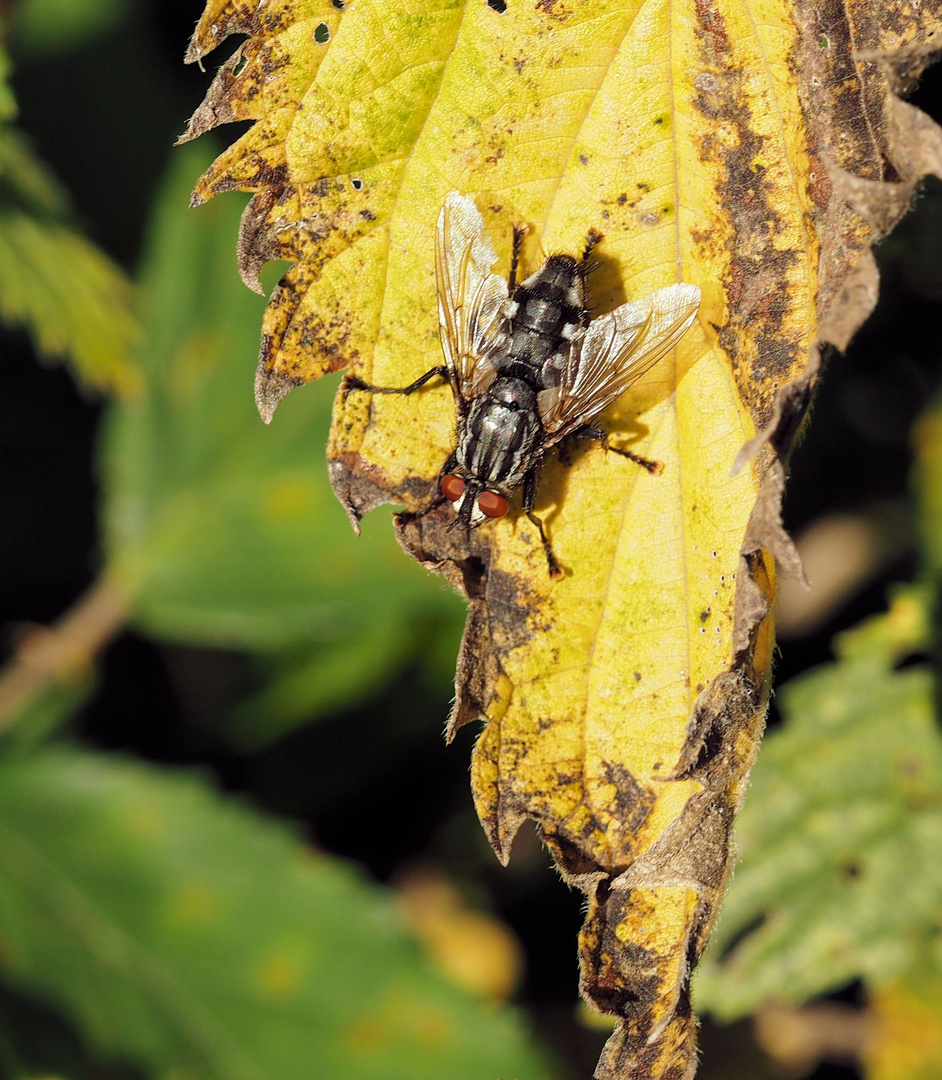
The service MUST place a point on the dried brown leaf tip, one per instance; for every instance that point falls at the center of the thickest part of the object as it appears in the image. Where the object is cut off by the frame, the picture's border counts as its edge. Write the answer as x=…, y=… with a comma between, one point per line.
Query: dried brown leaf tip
x=757, y=155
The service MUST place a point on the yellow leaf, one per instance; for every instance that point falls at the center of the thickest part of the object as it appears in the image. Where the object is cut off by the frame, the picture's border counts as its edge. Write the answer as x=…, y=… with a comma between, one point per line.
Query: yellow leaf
x=754, y=149
x=473, y=949
x=906, y=1039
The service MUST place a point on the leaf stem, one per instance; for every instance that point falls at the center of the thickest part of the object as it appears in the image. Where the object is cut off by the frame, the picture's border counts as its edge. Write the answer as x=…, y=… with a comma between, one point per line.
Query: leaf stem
x=64, y=651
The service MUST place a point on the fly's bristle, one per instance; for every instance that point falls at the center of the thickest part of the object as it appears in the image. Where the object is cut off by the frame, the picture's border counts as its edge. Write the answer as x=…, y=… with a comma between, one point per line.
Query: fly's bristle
x=569, y=264
x=564, y=259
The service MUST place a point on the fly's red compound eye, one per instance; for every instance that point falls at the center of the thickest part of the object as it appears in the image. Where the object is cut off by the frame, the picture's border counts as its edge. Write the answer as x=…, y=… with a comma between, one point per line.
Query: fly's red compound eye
x=492, y=504
x=452, y=487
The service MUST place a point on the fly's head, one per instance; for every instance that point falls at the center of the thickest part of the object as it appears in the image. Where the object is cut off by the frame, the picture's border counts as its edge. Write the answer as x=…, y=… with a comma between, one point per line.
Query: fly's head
x=473, y=502
x=499, y=442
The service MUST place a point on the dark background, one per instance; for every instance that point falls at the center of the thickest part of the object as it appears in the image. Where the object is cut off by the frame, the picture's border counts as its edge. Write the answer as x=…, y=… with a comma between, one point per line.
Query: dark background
x=104, y=117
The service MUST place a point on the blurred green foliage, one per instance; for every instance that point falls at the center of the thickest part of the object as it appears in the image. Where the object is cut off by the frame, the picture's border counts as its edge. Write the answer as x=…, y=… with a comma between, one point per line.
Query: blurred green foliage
x=50, y=27
x=839, y=838
x=190, y=935
x=75, y=302
x=226, y=532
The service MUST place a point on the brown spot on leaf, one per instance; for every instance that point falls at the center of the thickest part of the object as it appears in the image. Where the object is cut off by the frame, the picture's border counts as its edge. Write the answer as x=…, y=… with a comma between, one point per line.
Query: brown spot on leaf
x=757, y=283
x=633, y=802
x=554, y=9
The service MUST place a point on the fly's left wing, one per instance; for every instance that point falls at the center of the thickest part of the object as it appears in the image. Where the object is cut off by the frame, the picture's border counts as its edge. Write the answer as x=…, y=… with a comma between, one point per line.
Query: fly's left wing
x=615, y=351
x=470, y=297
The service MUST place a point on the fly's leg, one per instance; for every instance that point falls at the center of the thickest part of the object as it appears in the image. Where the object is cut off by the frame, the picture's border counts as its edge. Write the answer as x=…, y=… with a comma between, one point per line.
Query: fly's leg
x=592, y=240
x=520, y=231
x=351, y=383
x=529, y=495
x=655, y=468
x=408, y=516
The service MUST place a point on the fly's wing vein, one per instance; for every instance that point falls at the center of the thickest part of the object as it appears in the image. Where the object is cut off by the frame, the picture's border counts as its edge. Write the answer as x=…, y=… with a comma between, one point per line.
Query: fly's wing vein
x=470, y=297
x=614, y=352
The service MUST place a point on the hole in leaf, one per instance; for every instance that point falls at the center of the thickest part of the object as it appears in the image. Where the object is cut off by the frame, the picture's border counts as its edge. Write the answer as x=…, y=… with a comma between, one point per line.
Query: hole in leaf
x=920, y=658
x=322, y=34
x=338, y=4
x=499, y=6
x=357, y=184
x=852, y=994
x=240, y=65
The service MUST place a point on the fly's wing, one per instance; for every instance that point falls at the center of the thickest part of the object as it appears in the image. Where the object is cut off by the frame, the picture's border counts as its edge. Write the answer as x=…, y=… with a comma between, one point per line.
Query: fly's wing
x=470, y=297
x=615, y=350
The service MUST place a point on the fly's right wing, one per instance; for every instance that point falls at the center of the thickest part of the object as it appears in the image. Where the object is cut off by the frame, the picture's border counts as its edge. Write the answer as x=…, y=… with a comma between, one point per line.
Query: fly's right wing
x=470, y=296
x=614, y=351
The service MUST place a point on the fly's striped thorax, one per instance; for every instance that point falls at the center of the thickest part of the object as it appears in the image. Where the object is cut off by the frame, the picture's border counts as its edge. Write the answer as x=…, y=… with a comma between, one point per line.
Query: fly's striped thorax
x=501, y=440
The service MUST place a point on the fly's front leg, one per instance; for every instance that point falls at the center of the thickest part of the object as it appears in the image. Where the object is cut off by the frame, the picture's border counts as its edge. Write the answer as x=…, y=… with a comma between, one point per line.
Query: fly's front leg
x=520, y=231
x=600, y=436
x=592, y=240
x=408, y=516
x=529, y=495
x=351, y=383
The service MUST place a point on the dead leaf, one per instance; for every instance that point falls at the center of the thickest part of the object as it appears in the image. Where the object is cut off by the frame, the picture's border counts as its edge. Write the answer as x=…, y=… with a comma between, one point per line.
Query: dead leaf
x=756, y=151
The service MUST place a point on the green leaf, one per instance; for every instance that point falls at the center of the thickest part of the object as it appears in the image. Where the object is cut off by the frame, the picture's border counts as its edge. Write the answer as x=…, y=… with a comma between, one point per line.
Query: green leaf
x=8, y=108
x=25, y=183
x=928, y=483
x=320, y=679
x=45, y=712
x=227, y=530
x=184, y=932
x=841, y=831
x=71, y=298
x=48, y=27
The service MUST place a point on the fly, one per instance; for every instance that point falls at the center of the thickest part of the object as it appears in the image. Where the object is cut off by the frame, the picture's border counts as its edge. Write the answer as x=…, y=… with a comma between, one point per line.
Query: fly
x=527, y=365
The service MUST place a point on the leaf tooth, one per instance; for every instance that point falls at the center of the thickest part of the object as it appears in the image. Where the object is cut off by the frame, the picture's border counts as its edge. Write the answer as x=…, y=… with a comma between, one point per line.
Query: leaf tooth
x=271, y=387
